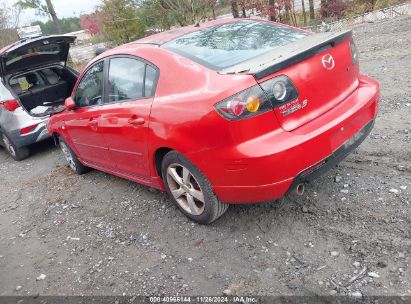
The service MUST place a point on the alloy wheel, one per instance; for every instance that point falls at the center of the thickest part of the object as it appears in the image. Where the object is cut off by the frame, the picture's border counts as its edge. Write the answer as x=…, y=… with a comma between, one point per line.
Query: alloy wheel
x=68, y=155
x=185, y=189
x=8, y=145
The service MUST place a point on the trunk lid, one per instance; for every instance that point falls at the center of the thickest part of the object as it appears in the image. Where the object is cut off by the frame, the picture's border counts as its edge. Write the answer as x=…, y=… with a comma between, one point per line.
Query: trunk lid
x=33, y=53
x=319, y=65
x=323, y=81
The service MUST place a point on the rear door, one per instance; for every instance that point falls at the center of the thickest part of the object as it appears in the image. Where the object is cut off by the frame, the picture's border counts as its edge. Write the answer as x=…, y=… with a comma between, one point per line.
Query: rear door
x=82, y=124
x=124, y=120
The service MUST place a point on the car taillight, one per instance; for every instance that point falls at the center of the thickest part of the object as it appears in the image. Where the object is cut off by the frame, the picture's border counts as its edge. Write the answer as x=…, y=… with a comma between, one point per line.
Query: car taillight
x=354, y=52
x=280, y=90
x=9, y=105
x=258, y=99
x=248, y=103
x=28, y=129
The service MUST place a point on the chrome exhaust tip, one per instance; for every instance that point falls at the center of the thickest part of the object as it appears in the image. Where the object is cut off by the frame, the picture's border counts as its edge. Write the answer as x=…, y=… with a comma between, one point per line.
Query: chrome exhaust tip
x=300, y=189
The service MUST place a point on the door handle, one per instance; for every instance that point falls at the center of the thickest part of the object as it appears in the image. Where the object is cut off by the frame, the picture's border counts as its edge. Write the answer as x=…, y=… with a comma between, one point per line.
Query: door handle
x=137, y=121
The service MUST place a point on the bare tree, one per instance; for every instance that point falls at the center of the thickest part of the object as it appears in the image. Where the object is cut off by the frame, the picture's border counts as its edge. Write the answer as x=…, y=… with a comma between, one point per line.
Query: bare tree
x=271, y=5
x=324, y=7
x=234, y=9
x=311, y=4
x=304, y=15
x=186, y=12
x=9, y=19
x=52, y=12
x=47, y=10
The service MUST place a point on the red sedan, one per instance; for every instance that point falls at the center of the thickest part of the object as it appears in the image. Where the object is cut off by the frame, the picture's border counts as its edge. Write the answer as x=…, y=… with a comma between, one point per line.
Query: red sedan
x=231, y=111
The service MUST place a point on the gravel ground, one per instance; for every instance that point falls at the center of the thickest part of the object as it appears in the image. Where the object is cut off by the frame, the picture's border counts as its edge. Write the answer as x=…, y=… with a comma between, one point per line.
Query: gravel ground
x=97, y=234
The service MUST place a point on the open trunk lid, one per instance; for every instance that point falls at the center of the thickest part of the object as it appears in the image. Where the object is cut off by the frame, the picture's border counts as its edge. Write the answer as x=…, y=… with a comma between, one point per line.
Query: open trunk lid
x=34, y=53
x=321, y=69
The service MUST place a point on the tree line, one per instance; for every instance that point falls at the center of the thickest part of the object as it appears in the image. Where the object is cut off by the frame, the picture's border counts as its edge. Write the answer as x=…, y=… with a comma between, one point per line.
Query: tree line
x=120, y=21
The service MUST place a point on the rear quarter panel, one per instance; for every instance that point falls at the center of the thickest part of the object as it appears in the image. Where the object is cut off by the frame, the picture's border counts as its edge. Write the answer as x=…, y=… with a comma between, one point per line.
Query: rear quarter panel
x=183, y=117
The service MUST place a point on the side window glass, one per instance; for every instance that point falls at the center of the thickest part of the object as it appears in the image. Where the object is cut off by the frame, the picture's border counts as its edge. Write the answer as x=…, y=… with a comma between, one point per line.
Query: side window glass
x=90, y=89
x=126, y=79
x=151, y=77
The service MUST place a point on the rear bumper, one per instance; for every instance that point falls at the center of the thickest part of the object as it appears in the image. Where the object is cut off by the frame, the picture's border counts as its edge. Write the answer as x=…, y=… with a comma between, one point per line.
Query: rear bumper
x=334, y=159
x=268, y=167
x=11, y=123
x=38, y=134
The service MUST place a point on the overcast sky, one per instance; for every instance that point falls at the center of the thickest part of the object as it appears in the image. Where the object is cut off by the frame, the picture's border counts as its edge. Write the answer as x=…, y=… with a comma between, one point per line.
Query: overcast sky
x=64, y=8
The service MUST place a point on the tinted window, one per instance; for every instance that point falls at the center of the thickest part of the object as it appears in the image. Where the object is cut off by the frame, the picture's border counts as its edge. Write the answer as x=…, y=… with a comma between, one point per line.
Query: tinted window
x=90, y=88
x=151, y=78
x=226, y=45
x=126, y=79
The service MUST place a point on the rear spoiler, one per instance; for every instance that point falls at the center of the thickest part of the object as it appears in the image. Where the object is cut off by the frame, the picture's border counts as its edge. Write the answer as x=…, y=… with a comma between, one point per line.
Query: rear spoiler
x=293, y=53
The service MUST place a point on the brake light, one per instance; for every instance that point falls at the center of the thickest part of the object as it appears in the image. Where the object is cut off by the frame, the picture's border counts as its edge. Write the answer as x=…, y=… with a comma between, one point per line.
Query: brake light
x=248, y=103
x=258, y=99
x=28, y=129
x=9, y=105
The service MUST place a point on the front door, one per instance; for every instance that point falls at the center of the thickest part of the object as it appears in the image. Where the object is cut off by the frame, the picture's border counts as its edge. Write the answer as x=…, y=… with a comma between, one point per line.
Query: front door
x=125, y=117
x=83, y=123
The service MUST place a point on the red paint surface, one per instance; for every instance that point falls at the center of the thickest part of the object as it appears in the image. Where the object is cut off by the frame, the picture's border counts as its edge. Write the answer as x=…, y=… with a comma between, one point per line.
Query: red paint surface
x=246, y=161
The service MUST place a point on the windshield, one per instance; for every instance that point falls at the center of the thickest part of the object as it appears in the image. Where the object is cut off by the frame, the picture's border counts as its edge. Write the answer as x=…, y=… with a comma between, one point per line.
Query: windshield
x=229, y=44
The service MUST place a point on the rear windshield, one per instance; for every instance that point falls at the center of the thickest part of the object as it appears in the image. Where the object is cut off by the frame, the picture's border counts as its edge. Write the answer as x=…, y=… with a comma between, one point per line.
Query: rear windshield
x=52, y=49
x=229, y=44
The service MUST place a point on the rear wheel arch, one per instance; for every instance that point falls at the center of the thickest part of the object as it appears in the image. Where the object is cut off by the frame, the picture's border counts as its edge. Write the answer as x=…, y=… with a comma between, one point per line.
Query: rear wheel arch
x=159, y=155
x=56, y=137
x=158, y=158
x=72, y=159
x=190, y=189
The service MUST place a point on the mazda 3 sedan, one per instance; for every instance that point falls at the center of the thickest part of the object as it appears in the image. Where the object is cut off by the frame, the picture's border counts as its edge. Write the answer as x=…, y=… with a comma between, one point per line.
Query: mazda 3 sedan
x=231, y=111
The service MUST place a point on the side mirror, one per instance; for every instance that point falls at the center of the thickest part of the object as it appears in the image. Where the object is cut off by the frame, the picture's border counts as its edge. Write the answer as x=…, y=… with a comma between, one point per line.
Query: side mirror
x=69, y=103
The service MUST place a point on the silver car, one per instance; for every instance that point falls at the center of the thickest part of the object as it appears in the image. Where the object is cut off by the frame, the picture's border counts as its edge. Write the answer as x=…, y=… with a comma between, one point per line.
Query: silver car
x=34, y=83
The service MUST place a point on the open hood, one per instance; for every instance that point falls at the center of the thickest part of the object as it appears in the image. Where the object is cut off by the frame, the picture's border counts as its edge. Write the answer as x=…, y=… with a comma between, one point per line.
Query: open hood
x=34, y=53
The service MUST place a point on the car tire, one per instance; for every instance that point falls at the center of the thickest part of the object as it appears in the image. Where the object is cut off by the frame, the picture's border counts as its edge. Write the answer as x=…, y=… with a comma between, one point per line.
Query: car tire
x=17, y=153
x=190, y=190
x=72, y=159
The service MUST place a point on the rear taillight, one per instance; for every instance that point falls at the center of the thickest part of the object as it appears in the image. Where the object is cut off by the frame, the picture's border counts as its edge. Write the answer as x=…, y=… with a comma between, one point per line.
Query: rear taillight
x=248, y=103
x=354, y=52
x=280, y=90
x=28, y=129
x=9, y=105
x=258, y=99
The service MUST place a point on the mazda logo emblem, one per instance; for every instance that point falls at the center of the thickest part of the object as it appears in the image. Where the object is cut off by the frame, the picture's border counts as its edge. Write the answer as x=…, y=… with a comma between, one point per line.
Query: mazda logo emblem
x=328, y=62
